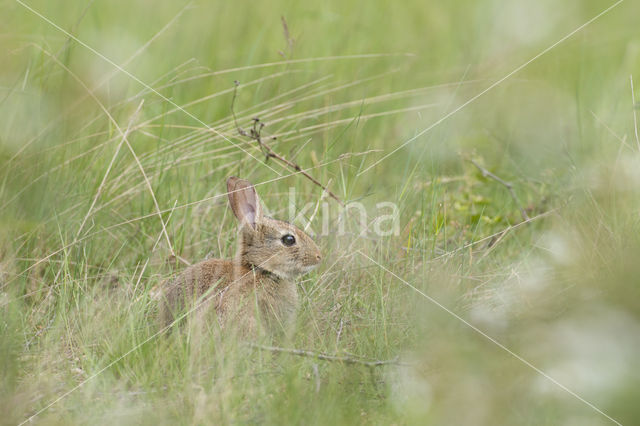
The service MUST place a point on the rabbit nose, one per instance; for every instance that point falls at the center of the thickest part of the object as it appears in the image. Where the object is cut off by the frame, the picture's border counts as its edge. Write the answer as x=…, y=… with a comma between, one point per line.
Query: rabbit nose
x=318, y=257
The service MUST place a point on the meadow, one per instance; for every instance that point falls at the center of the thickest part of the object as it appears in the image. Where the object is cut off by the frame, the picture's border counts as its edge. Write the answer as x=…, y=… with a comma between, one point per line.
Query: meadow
x=504, y=133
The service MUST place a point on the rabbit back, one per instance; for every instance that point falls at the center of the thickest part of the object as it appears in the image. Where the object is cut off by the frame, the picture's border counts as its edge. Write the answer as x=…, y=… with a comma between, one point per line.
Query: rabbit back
x=210, y=277
x=236, y=293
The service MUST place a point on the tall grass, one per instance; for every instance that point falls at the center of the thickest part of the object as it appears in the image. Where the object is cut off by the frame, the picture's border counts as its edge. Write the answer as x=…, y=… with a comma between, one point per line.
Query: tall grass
x=102, y=180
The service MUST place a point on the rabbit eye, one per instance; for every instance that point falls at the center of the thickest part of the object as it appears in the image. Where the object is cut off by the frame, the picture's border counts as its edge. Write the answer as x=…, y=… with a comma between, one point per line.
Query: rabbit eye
x=288, y=240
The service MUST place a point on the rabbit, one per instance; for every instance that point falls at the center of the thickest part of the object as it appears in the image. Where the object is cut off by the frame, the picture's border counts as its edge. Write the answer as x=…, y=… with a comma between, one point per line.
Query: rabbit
x=256, y=288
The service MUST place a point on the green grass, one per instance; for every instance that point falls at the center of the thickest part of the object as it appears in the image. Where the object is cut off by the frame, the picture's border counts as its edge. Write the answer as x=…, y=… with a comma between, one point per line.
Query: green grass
x=82, y=246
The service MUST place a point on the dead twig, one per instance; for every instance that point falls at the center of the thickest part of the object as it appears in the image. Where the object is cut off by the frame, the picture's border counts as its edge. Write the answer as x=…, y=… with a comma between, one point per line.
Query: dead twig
x=508, y=185
x=326, y=357
x=255, y=133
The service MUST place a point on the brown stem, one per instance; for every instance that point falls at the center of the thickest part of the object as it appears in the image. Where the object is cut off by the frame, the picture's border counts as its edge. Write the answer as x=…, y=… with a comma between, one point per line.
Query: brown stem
x=326, y=357
x=255, y=133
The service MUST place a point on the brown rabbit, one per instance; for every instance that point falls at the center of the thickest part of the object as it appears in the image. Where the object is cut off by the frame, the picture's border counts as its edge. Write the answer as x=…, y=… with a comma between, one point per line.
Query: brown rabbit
x=258, y=286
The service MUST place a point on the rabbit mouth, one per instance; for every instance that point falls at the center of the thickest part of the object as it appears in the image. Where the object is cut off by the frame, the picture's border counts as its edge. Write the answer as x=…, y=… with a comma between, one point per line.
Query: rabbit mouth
x=308, y=268
x=293, y=273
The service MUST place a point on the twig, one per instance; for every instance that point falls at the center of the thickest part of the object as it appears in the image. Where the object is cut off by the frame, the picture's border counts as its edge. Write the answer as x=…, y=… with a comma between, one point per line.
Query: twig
x=255, y=133
x=326, y=357
x=508, y=185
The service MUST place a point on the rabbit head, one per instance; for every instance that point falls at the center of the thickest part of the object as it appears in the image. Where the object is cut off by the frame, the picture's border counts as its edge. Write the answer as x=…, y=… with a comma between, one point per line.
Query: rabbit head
x=269, y=244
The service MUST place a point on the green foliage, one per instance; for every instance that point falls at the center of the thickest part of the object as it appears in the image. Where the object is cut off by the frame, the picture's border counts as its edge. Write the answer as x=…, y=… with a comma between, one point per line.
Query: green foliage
x=89, y=219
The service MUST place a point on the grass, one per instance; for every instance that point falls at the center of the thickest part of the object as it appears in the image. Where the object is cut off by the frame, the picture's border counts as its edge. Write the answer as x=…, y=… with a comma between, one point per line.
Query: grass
x=89, y=218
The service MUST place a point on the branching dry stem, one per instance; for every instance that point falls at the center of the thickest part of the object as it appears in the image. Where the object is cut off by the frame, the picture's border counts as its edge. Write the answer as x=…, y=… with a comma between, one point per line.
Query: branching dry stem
x=327, y=357
x=255, y=133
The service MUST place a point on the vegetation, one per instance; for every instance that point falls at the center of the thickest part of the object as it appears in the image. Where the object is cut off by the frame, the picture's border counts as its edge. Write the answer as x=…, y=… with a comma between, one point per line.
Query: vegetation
x=510, y=294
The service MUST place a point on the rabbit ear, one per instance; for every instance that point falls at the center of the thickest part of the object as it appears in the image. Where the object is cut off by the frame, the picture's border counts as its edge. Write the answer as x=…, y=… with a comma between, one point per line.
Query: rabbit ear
x=244, y=201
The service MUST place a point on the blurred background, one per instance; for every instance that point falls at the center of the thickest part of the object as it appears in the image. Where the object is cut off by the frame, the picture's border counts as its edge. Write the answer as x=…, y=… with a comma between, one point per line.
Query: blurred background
x=518, y=191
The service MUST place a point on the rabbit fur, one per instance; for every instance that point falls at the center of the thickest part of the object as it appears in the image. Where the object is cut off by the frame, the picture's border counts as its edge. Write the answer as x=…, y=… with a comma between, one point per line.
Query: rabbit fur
x=258, y=287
